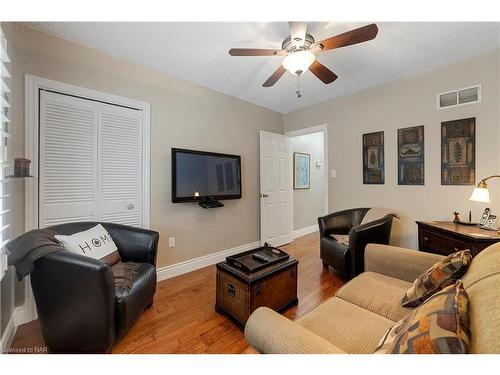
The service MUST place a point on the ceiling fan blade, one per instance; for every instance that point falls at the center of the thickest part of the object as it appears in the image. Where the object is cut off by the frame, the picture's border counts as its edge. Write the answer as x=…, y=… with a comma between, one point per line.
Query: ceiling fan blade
x=256, y=52
x=275, y=76
x=298, y=32
x=360, y=35
x=322, y=72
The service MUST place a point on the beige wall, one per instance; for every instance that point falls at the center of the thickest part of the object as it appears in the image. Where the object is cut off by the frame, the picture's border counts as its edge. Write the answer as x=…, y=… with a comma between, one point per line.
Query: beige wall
x=403, y=103
x=182, y=115
x=309, y=204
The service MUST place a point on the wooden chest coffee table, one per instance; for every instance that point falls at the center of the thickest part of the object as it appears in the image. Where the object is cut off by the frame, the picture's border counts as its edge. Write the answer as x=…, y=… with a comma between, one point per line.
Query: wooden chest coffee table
x=240, y=293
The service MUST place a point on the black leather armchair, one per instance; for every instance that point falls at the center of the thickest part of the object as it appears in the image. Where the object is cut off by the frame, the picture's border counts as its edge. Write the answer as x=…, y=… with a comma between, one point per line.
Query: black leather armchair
x=79, y=308
x=348, y=259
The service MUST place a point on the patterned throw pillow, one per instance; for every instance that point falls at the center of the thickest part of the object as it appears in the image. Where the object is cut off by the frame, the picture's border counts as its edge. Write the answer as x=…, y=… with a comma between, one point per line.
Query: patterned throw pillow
x=95, y=242
x=445, y=272
x=439, y=326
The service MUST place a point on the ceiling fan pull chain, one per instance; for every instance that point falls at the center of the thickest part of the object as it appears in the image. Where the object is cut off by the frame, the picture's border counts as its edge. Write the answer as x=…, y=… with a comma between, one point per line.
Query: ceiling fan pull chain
x=299, y=95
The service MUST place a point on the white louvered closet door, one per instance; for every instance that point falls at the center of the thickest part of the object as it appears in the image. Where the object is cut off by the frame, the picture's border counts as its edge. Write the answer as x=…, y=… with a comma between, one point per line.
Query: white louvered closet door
x=120, y=167
x=68, y=160
x=91, y=161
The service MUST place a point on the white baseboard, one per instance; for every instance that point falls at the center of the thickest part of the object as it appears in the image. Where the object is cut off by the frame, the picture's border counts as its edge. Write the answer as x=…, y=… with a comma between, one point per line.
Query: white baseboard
x=204, y=261
x=22, y=315
x=303, y=231
x=10, y=330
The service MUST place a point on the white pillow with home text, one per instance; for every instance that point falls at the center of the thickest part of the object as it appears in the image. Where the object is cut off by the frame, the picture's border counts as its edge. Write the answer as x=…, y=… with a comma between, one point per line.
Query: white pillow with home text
x=94, y=242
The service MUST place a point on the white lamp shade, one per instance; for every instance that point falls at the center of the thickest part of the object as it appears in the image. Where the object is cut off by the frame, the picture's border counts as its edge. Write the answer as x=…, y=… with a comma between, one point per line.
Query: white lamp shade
x=298, y=62
x=480, y=195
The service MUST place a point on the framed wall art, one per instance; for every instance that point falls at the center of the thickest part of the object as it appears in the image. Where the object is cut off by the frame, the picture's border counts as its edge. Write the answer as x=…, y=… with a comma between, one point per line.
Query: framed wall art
x=411, y=156
x=458, y=152
x=373, y=158
x=301, y=171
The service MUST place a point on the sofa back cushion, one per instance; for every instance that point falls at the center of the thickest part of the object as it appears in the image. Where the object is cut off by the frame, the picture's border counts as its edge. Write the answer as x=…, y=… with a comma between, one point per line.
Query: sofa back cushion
x=482, y=284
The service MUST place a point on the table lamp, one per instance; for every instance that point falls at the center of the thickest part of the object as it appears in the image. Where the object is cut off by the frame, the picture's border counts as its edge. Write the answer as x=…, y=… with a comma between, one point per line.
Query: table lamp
x=481, y=192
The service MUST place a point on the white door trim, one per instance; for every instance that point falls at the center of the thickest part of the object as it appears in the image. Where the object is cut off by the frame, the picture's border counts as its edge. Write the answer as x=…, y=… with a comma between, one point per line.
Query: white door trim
x=33, y=85
x=316, y=129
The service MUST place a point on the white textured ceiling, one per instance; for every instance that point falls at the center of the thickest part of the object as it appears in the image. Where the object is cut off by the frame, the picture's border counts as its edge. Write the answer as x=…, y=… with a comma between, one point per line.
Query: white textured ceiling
x=198, y=52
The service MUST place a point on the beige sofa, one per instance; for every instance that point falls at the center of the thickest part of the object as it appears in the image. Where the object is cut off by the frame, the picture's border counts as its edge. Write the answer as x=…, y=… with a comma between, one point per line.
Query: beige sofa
x=363, y=309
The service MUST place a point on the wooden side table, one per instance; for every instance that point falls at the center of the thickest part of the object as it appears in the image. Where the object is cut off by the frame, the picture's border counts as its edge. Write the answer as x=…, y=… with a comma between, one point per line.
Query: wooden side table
x=446, y=237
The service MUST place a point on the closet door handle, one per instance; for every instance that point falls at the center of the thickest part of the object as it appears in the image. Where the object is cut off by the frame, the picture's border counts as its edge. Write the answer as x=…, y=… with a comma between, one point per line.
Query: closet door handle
x=130, y=206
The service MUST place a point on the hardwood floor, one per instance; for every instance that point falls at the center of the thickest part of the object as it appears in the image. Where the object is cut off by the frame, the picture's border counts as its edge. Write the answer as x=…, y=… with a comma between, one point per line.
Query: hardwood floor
x=183, y=319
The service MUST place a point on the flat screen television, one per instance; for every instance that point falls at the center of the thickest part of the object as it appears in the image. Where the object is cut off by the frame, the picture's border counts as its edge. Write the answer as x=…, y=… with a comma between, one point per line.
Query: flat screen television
x=205, y=176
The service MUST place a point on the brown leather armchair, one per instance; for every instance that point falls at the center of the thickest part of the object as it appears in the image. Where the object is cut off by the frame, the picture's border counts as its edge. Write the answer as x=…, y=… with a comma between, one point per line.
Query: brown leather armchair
x=347, y=255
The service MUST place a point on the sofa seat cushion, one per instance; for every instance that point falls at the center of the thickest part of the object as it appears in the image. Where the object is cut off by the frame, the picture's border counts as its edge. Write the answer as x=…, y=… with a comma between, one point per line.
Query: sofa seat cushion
x=377, y=293
x=347, y=326
x=130, y=303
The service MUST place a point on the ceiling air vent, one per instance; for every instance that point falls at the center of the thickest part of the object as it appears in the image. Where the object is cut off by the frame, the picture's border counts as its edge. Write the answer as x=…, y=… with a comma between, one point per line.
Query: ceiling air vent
x=468, y=95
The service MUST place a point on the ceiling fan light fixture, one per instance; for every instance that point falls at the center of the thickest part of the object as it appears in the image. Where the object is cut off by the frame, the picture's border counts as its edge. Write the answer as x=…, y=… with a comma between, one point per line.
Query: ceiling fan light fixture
x=298, y=62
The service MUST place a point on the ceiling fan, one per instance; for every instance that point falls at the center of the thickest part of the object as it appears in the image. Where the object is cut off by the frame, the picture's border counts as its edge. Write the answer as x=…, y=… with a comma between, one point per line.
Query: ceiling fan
x=299, y=51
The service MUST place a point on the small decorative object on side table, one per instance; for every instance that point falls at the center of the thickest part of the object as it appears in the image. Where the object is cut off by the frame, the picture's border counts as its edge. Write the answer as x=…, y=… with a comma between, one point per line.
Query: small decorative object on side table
x=457, y=220
x=270, y=282
x=445, y=237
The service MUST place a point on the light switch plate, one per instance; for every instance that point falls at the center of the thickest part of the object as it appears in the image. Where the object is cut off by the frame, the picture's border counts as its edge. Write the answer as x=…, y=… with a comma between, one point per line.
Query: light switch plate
x=333, y=173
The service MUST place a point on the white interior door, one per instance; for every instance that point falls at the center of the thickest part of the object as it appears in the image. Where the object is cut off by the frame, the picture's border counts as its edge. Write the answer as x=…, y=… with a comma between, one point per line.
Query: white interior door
x=91, y=161
x=68, y=159
x=120, y=167
x=276, y=194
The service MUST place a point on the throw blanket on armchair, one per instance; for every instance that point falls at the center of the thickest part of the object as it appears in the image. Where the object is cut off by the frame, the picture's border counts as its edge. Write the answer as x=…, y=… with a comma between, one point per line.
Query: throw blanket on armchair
x=125, y=274
x=30, y=246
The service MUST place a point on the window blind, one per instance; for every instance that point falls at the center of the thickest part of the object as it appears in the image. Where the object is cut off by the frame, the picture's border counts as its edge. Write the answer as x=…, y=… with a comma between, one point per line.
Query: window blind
x=5, y=105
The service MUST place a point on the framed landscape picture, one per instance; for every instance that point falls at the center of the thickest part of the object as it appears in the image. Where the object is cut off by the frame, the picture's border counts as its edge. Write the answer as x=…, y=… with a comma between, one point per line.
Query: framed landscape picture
x=373, y=158
x=411, y=156
x=301, y=171
x=458, y=152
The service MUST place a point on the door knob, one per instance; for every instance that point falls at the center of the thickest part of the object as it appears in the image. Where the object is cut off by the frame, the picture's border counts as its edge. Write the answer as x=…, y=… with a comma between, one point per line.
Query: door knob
x=130, y=206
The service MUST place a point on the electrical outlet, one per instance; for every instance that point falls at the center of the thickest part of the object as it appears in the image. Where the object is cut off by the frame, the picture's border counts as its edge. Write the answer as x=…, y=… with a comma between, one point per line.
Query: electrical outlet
x=171, y=241
x=333, y=173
